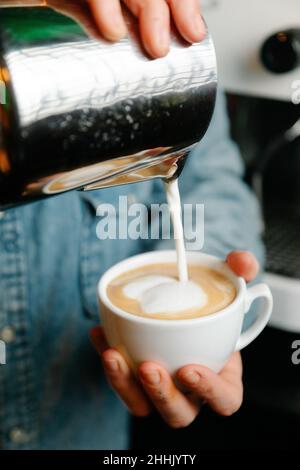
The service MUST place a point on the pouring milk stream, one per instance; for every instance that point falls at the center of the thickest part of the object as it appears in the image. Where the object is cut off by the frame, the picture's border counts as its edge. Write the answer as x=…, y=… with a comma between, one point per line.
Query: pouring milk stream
x=163, y=293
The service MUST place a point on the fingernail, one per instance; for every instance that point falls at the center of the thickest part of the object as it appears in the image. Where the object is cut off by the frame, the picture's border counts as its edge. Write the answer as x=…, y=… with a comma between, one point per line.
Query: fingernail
x=198, y=25
x=162, y=36
x=112, y=365
x=119, y=30
x=190, y=377
x=152, y=377
x=122, y=29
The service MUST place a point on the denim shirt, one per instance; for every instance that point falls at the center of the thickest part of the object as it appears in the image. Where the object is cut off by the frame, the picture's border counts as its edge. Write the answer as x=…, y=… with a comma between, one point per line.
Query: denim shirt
x=53, y=394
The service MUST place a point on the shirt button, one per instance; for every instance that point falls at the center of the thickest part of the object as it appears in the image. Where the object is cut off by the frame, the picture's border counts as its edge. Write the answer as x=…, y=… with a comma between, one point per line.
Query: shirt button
x=10, y=246
x=7, y=334
x=18, y=436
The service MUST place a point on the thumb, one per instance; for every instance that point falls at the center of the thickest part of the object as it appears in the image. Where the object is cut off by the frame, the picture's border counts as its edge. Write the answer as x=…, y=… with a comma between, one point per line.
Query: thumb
x=243, y=264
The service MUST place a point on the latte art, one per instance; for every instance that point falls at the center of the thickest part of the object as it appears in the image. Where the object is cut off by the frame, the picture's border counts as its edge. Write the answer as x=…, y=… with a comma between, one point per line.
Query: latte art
x=154, y=291
x=165, y=294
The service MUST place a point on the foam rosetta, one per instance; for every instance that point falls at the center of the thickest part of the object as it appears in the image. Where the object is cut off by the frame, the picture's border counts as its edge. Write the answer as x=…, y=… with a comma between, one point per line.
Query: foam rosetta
x=155, y=291
x=136, y=288
x=163, y=294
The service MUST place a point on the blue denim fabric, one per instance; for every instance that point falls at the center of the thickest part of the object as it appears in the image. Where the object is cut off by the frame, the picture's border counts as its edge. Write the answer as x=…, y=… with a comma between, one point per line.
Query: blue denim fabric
x=53, y=394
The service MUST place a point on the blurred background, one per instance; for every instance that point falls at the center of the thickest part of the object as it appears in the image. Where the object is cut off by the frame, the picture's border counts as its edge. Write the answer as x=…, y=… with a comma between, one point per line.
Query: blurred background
x=258, y=52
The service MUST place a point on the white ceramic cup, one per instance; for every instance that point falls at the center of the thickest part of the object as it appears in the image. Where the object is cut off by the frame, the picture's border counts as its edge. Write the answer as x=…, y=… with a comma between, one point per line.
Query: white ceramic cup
x=207, y=340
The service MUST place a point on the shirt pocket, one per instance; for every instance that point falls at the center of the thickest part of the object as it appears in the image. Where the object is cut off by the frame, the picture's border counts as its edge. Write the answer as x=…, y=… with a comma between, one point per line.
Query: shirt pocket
x=98, y=254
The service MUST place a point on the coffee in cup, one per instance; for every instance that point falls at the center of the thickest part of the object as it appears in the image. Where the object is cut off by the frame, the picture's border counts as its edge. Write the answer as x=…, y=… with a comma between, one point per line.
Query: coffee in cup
x=154, y=291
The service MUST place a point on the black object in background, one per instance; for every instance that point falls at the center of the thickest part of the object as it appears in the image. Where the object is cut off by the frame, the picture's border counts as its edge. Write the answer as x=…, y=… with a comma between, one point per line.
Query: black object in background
x=269, y=418
x=268, y=133
x=281, y=52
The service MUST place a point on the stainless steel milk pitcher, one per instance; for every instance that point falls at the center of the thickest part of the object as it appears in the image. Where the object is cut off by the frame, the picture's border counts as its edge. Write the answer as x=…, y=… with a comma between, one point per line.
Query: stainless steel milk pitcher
x=79, y=112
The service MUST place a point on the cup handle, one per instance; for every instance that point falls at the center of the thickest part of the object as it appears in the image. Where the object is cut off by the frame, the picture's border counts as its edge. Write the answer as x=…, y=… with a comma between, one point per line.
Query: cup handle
x=254, y=292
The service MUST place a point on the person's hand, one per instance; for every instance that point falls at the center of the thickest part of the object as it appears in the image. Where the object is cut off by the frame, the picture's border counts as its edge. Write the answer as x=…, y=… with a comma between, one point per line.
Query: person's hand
x=223, y=392
x=153, y=15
